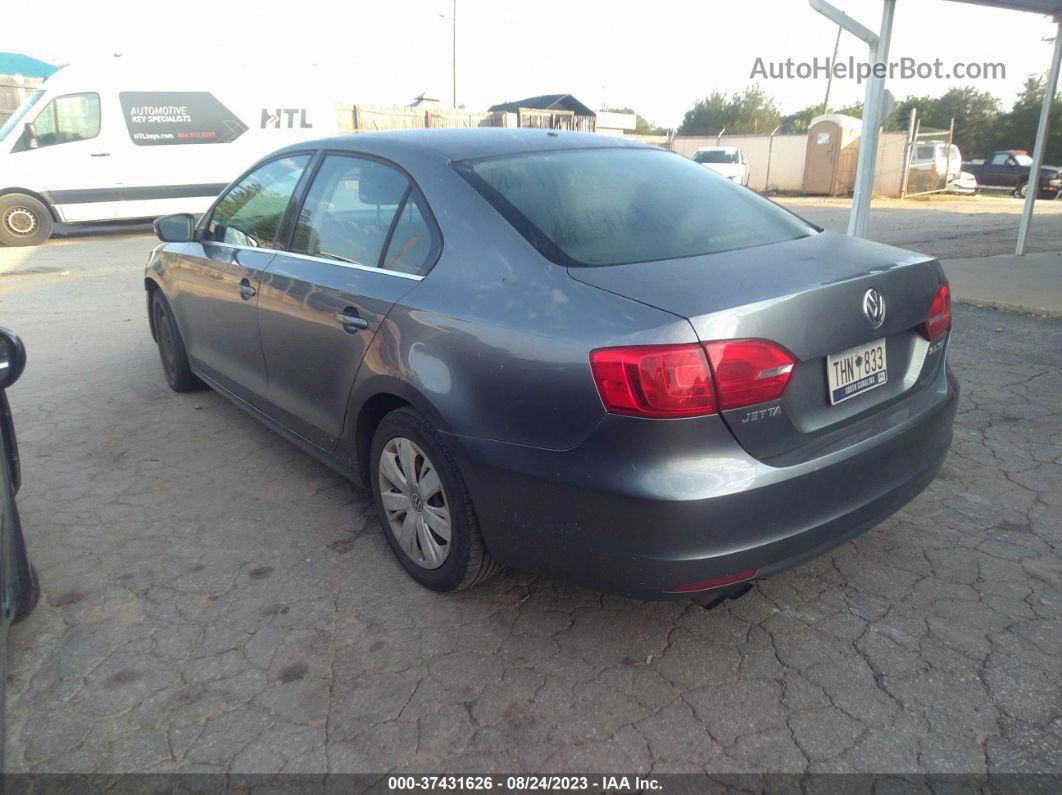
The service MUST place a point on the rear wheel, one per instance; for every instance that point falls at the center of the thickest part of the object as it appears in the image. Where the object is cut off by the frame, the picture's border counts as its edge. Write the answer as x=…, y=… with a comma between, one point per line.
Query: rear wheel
x=424, y=505
x=24, y=221
x=175, y=366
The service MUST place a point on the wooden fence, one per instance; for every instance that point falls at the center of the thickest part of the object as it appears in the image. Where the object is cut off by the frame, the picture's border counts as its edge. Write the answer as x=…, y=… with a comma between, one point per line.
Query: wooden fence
x=13, y=90
x=369, y=118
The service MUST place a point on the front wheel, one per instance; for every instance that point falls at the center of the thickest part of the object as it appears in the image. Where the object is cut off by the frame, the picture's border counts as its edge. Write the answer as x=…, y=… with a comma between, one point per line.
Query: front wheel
x=175, y=365
x=24, y=221
x=1022, y=190
x=424, y=505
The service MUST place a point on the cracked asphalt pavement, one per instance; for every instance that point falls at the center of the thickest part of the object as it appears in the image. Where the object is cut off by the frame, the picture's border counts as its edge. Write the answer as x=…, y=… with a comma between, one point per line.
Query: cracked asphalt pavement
x=214, y=600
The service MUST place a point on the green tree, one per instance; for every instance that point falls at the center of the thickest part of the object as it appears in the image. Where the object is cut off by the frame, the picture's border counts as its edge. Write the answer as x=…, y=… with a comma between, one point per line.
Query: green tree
x=1018, y=130
x=749, y=111
x=800, y=121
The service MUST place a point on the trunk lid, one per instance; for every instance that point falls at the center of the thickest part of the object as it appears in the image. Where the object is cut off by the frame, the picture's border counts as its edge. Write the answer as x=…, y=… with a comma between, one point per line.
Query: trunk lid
x=806, y=295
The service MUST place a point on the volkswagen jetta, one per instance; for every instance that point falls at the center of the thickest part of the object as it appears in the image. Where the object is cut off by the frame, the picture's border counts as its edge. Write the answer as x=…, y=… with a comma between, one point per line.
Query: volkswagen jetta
x=575, y=355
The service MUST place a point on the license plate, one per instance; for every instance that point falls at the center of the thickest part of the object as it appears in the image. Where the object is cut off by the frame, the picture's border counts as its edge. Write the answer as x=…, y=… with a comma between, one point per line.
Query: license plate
x=856, y=370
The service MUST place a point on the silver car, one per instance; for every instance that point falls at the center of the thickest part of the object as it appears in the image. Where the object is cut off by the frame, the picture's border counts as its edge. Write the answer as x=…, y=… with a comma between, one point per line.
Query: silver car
x=575, y=355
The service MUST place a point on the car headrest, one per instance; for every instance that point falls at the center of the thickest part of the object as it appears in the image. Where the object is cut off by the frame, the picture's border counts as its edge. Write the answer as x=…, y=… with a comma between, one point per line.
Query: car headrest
x=379, y=184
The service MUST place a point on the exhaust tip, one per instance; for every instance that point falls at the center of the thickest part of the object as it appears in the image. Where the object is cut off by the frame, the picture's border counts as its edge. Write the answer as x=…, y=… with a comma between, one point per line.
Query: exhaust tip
x=713, y=599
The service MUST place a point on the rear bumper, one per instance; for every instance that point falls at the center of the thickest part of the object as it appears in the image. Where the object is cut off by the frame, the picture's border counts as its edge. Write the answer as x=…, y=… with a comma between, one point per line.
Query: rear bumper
x=644, y=506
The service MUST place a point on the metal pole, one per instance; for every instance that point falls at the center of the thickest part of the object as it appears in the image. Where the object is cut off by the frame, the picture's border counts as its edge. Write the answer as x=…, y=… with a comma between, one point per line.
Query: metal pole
x=829, y=80
x=719, y=137
x=951, y=138
x=1041, y=141
x=868, y=144
x=770, y=151
x=909, y=151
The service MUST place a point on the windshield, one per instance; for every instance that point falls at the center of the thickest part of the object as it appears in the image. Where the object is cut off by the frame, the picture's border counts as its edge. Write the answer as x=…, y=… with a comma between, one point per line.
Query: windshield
x=23, y=109
x=716, y=156
x=612, y=206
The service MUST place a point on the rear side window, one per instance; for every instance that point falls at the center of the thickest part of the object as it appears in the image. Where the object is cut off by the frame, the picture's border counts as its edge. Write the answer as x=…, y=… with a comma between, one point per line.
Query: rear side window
x=364, y=212
x=611, y=206
x=249, y=214
x=411, y=242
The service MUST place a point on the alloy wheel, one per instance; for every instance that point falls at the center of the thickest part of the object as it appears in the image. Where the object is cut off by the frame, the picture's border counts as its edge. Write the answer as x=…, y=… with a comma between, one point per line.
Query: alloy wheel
x=415, y=503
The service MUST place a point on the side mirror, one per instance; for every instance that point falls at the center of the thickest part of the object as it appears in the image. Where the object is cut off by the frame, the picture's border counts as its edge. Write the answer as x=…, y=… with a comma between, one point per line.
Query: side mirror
x=176, y=228
x=12, y=357
x=29, y=135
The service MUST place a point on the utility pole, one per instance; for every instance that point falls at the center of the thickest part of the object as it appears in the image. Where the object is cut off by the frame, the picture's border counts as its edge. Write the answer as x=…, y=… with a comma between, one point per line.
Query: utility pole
x=829, y=80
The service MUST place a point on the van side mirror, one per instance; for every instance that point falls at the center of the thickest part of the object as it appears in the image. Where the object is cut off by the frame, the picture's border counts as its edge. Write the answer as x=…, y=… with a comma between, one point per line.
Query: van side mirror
x=29, y=136
x=12, y=357
x=176, y=228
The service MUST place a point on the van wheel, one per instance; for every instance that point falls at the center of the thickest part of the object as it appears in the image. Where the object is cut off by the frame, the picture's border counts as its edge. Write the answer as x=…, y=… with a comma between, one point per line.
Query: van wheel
x=24, y=221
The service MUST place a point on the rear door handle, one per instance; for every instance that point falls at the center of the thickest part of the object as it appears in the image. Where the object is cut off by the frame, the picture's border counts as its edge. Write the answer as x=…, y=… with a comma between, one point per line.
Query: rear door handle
x=246, y=290
x=351, y=321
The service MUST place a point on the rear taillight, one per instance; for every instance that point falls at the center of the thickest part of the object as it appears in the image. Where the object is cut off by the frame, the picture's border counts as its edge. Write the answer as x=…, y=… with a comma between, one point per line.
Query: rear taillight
x=654, y=380
x=939, y=318
x=749, y=371
x=676, y=380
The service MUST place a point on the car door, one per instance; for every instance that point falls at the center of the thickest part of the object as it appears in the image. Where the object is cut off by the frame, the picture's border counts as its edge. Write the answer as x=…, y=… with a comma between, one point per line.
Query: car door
x=70, y=154
x=1003, y=171
x=215, y=298
x=361, y=239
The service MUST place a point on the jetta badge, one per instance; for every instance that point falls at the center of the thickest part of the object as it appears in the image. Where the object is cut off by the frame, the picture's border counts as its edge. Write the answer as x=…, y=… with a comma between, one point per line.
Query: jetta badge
x=874, y=307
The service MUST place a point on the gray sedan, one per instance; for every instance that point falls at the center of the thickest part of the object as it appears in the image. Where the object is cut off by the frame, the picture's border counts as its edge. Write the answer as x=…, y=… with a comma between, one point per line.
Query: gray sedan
x=571, y=354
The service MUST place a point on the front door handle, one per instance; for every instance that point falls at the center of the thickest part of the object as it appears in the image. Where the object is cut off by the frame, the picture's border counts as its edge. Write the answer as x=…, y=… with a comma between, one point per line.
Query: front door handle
x=100, y=154
x=246, y=290
x=351, y=321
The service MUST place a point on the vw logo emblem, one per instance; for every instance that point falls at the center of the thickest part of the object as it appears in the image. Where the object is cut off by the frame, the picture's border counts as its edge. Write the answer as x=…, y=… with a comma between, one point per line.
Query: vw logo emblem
x=874, y=307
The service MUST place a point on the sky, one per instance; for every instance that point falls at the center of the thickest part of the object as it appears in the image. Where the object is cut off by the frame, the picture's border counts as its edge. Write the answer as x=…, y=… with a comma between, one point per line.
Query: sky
x=657, y=58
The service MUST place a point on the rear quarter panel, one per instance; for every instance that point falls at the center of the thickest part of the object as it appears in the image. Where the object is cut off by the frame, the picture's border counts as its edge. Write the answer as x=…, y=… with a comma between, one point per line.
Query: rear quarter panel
x=495, y=340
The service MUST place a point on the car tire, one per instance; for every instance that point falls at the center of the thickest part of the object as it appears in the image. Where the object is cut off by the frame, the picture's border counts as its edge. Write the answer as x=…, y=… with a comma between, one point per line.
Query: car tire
x=1022, y=190
x=175, y=365
x=405, y=441
x=24, y=220
x=33, y=596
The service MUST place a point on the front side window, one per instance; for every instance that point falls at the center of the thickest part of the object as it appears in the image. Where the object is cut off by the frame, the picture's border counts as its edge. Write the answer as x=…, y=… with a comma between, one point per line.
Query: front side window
x=1001, y=159
x=64, y=120
x=249, y=214
x=612, y=206
x=355, y=209
x=926, y=153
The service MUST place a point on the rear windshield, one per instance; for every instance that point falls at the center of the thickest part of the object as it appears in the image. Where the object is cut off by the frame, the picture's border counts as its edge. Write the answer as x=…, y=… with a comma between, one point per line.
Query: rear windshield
x=612, y=206
x=715, y=156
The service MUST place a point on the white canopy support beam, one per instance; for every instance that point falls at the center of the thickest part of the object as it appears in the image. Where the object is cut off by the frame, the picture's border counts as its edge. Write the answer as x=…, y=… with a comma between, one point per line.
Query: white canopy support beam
x=1050, y=87
x=878, y=44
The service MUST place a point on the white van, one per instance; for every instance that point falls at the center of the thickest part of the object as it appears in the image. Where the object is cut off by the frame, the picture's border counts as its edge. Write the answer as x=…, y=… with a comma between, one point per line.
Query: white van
x=122, y=140
x=934, y=166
